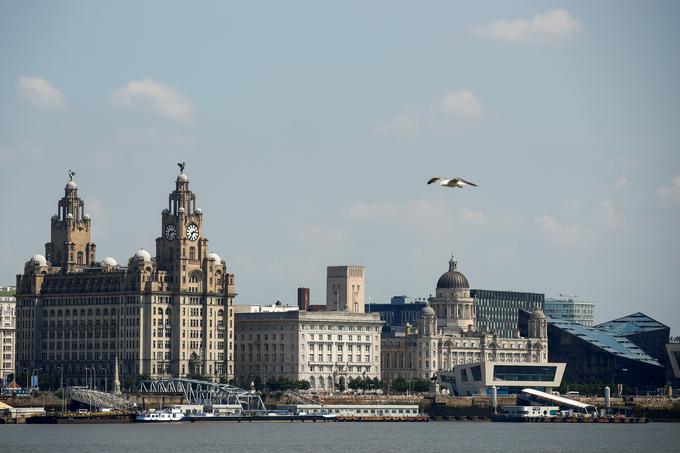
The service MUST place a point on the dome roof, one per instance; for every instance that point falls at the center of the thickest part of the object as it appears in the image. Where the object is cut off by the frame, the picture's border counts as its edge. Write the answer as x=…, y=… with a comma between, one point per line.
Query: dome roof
x=109, y=262
x=538, y=314
x=452, y=279
x=69, y=216
x=39, y=259
x=142, y=255
x=181, y=209
x=427, y=310
x=71, y=185
x=87, y=217
x=182, y=178
x=215, y=257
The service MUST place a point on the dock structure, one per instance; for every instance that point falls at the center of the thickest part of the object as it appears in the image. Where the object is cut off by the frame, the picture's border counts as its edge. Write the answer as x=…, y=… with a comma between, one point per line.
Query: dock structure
x=561, y=401
x=204, y=392
x=95, y=398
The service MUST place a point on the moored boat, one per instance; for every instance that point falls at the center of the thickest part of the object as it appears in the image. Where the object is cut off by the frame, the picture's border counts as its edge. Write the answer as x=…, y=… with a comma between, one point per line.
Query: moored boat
x=171, y=414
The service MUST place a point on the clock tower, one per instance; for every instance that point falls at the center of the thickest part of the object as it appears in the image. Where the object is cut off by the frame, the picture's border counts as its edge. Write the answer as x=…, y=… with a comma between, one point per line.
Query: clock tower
x=201, y=289
x=181, y=248
x=70, y=245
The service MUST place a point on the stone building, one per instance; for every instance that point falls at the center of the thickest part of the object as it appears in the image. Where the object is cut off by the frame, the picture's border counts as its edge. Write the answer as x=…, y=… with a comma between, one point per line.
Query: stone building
x=345, y=289
x=7, y=335
x=447, y=335
x=168, y=315
x=325, y=348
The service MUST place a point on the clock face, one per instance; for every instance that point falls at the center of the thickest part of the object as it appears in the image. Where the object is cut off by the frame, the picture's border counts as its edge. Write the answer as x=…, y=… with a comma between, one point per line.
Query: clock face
x=170, y=232
x=192, y=232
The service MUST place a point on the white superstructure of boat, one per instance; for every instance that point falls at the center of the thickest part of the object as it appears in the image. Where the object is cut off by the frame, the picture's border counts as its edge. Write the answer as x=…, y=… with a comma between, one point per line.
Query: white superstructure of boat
x=172, y=414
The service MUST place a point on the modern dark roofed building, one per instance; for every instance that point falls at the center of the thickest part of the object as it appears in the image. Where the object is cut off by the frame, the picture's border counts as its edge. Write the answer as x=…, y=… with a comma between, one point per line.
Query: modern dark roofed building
x=648, y=334
x=397, y=314
x=596, y=356
x=497, y=311
x=673, y=357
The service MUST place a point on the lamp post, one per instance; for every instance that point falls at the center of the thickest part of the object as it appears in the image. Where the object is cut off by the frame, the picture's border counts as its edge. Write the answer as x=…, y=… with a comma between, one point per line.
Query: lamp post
x=87, y=382
x=106, y=378
x=94, y=378
x=26, y=371
x=61, y=385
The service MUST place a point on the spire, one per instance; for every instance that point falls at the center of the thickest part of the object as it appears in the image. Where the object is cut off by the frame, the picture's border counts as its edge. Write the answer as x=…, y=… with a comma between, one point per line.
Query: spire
x=116, y=379
x=453, y=263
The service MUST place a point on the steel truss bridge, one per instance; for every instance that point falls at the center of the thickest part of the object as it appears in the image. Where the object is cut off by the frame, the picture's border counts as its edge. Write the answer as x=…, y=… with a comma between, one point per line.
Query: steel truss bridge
x=204, y=392
x=100, y=399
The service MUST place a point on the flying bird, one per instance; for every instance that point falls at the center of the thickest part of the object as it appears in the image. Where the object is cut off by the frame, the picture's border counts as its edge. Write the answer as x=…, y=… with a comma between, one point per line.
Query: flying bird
x=453, y=182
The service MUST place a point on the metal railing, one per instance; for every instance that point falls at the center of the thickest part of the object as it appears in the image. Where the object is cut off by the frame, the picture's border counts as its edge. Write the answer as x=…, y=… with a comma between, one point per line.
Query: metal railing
x=204, y=392
x=95, y=398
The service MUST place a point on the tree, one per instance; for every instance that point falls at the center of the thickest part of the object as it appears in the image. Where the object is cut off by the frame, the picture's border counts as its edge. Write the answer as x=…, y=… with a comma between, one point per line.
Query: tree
x=257, y=382
x=399, y=385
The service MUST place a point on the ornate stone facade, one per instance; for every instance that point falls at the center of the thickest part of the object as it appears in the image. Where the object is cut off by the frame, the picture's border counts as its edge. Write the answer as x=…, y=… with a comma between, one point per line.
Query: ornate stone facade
x=446, y=335
x=7, y=335
x=169, y=315
x=325, y=348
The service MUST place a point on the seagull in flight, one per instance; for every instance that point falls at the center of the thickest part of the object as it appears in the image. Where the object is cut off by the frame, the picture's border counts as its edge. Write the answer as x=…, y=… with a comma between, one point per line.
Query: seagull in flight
x=453, y=182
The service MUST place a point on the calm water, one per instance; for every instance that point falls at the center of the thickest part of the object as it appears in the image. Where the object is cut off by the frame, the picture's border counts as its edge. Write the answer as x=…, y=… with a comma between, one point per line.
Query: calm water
x=340, y=437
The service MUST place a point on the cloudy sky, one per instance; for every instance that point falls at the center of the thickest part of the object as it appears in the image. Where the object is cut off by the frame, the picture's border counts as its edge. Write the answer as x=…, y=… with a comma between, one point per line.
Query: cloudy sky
x=310, y=129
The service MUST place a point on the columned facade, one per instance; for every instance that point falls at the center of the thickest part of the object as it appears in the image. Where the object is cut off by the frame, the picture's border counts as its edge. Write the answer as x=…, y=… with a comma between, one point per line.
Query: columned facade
x=447, y=335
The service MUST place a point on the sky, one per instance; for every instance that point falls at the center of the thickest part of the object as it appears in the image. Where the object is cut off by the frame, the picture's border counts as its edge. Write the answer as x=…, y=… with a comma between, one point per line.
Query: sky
x=309, y=130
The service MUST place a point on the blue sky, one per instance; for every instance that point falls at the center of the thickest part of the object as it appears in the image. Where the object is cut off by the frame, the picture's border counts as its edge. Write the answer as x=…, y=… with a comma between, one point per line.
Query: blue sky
x=309, y=131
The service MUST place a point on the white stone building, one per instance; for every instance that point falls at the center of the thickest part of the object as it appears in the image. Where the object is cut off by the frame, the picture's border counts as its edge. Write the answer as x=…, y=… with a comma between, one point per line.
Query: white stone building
x=7, y=335
x=446, y=335
x=345, y=289
x=325, y=348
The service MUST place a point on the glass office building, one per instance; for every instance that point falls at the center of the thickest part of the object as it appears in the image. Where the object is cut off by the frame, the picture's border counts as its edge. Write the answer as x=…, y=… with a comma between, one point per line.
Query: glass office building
x=497, y=311
x=569, y=309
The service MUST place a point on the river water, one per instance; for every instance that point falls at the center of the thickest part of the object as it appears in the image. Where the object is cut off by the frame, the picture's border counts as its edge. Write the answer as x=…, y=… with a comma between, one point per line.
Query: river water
x=341, y=437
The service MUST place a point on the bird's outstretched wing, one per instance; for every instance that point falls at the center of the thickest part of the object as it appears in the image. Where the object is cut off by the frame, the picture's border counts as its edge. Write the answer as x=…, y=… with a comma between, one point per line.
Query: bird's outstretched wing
x=435, y=179
x=468, y=182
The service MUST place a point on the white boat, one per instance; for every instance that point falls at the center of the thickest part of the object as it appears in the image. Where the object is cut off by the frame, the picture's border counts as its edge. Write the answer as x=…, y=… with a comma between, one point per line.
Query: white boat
x=172, y=414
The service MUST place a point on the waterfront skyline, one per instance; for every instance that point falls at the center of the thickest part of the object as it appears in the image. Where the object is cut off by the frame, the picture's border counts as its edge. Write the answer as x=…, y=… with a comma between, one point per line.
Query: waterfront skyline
x=310, y=132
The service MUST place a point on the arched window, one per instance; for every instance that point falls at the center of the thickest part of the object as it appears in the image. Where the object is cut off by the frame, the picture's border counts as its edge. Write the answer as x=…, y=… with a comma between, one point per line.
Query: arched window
x=80, y=257
x=192, y=253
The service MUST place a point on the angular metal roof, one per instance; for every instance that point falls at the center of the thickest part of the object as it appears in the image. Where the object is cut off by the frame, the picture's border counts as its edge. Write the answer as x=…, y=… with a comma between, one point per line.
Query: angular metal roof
x=631, y=324
x=608, y=341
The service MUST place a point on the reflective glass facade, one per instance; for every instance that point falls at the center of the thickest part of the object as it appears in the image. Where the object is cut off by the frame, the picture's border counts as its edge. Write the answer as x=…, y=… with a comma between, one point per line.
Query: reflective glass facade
x=524, y=373
x=497, y=310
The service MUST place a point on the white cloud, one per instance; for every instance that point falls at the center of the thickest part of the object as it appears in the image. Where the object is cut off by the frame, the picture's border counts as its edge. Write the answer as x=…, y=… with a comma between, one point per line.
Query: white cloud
x=671, y=192
x=403, y=125
x=473, y=217
x=609, y=214
x=559, y=234
x=622, y=182
x=462, y=104
x=40, y=92
x=451, y=112
x=155, y=95
x=550, y=26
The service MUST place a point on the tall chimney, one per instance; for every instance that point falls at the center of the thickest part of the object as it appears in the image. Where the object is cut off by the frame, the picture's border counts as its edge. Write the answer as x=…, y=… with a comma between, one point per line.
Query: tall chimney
x=303, y=299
